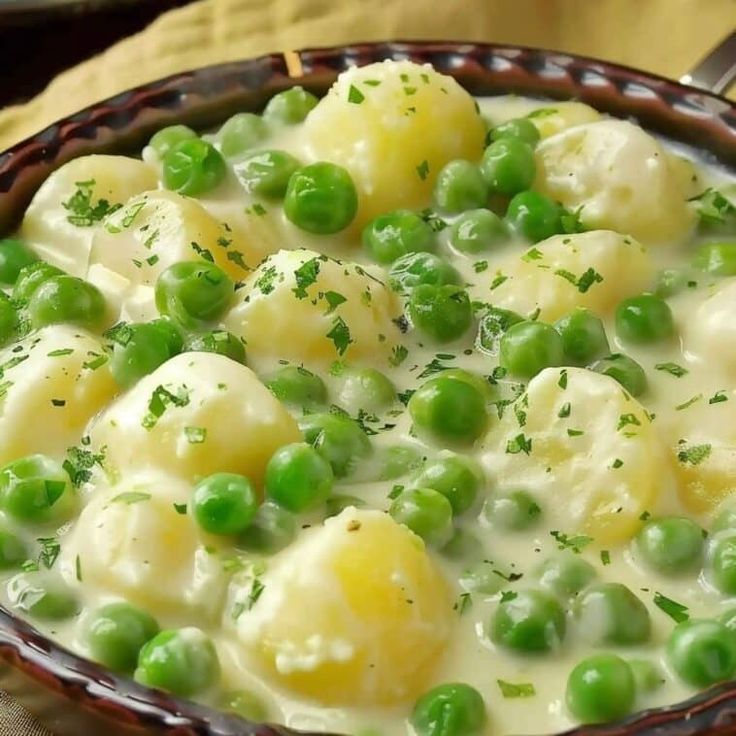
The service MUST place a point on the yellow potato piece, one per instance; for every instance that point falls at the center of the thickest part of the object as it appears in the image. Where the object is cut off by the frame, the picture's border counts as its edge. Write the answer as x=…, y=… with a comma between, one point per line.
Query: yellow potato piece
x=197, y=414
x=619, y=177
x=709, y=329
x=300, y=305
x=548, y=117
x=595, y=270
x=393, y=125
x=56, y=232
x=354, y=613
x=596, y=479
x=53, y=382
x=131, y=541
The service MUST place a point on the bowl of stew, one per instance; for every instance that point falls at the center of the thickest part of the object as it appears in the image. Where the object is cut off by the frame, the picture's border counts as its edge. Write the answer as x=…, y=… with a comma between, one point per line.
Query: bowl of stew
x=378, y=390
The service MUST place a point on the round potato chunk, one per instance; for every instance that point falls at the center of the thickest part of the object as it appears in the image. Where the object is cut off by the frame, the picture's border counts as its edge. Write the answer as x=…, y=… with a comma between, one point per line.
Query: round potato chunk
x=72, y=203
x=354, y=613
x=619, y=177
x=393, y=125
x=586, y=447
x=302, y=306
x=710, y=332
x=549, y=118
x=197, y=414
x=137, y=540
x=594, y=270
x=54, y=382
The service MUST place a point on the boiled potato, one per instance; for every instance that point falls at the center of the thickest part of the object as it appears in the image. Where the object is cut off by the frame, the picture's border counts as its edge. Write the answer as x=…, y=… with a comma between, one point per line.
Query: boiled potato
x=619, y=177
x=52, y=225
x=353, y=613
x=197, y=414
x=301, y=305
x=53, y=383
x=596, y=479
x=393, y=125
x=595, y=270
x=132, y=541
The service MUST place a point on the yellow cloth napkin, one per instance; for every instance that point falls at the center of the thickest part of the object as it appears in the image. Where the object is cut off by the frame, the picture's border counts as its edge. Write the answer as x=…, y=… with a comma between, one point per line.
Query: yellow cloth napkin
x=663, y=36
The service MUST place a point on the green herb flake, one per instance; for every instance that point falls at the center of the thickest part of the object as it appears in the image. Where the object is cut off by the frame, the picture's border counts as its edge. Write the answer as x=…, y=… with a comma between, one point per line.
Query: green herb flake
x=78, y=568
x=50, y=549
x=79, y=463
x=256, y=590
x=518, y=444
x=617, y=463
x=605, y=557
x=562, y=382
x=498, y=280
x=694, y=455
x=574, y=543
x=97, y=361
x=689, y=402
x=82, y=211
x=712, y=207
x=542, y=112
x=718, y=397
x=575, y=432
x=305, y=276
x=423, y=170
x=672, y=368
x=627, y=420
x=59, y=353
x=58, y=402
x=131, y=497
x=564, y=411
x=399, y=354
x=516, y=690
x=340, y=335
x=195, y=435
x=160, y=400
x=334, y=300
x=676, y=611
x=180, y=508
x=463, y=603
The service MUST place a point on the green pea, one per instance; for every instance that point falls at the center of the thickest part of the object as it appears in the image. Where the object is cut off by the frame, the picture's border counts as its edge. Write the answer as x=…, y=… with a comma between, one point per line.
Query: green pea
x=527, y=348
x=600, y=688
x=42, y=596
x=240, y=133
x=267, y=173
x=482, y=578
x=63, y=299
x=14, y=255
x=171, y=333
x=13, y=550
x=398, y=461
x=514, y=510
x=670, y=281
x=297, y=387
x=644, y=319
x=339, y=440
x=36, y=490
x=272, y=529
x=625, y=370
x=721, y=562
x=671, y=545
x=396, y=234
x=718, y=259
x=726, y=519
x=442, y=313
x=463, y=546
x=221, y=342
x=583, y=336
x=298, y=478
x=414, y=269
x=609, y=613
x=193, y=167
x=224, y=503
x=454, y=709
x=460, y=186
x=141, y=349
x=193, y=293
x=493, y=325
x=479, y=382
x=426, y=512
x=449, y=410
x=181, y=661
x=363, y=389
x=702, y=652
x=532, y=621
x=31, y=277
x=8, y=318
x=508, y=166
x=244, y=704
x=456, y=477
x=116, y=633
x=534, y=216
x=321, y=198
x=477, y=230
x=647, y=676
x=166, y=138
x=564, y=575
x=521, y=128
x=290, y=106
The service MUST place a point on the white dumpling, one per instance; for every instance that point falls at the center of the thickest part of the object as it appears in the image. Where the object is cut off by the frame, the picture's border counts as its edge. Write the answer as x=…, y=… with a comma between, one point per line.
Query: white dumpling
x=301, y=306
x=139, y=540
x=53, y=382
x=197, y=414
x=548, y=117
x=52, y=225
x=353, y=613
x=393, y=125
x=710, y=329
x=587, y=450
x=619, y=177
x=595, y=269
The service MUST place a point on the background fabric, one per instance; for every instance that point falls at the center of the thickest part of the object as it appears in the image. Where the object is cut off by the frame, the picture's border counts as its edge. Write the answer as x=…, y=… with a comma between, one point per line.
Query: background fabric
x=662, y=36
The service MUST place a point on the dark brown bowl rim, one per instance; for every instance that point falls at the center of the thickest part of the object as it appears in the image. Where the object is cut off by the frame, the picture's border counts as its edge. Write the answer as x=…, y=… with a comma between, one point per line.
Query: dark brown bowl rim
x=705, y=120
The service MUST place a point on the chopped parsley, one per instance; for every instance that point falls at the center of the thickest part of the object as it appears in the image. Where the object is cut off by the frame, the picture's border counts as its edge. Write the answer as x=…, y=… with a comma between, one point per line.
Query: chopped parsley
x=672, y=368
x=562, y=382
x=574, y=543
x=605, y=557
x=689, y=402
x=582, y=283
x=305, y=276
x=355, y=96
x=59, y=353
x=627, y=420
x=399, y=353
x=82, y=211
x=256, y=590
x=694, y=455
x=542, y=112
x=713, y=208
x=180, y=508
x=516, y=690
x=340, y=335
x=480, y=266
x=676, y=611
x=718, y=397
x=79, y=463
x=160, y=400
x=195, y=435
x=463, y=603
x=564, y=411
x=334, y=300
x=498, y=280
x=131, y=497
x=50, y=549
x=518, y=444
x=423, y=170
x=78, y=568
